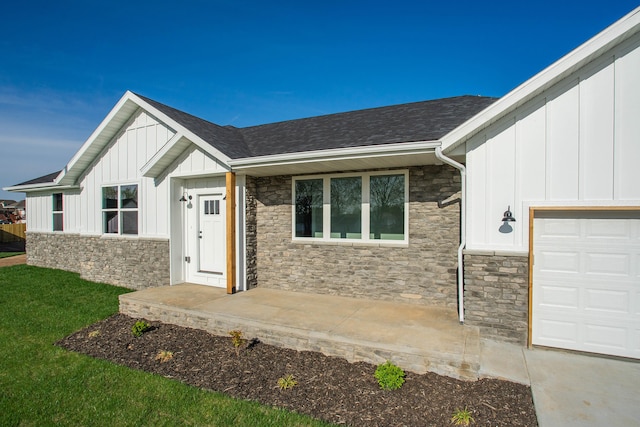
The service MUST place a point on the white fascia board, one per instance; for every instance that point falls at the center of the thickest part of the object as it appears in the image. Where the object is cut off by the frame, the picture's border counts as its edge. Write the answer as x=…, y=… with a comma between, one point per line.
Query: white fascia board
x=405, y=148
x=150, y=169
x=116, y=111
x=206, y=147
x=39, y=187
x=588, y=51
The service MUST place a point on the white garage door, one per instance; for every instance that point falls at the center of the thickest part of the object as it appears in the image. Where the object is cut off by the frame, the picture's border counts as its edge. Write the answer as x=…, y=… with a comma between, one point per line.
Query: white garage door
x=586, y=282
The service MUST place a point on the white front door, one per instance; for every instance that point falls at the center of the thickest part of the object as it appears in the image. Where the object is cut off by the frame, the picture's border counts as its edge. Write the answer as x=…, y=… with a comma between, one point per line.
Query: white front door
x=211, y=235
x=586, y=282
x=206, y=239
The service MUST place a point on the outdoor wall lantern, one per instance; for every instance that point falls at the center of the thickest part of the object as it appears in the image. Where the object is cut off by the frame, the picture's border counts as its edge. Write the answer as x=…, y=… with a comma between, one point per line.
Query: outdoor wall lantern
x=184, y=197
x=508, y=216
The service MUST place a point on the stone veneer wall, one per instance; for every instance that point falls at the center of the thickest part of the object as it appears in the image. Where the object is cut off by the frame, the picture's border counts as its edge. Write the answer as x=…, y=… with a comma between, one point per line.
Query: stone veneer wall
x=134, y=263
x=251, y=234
x=424, y=272
x=496, y=295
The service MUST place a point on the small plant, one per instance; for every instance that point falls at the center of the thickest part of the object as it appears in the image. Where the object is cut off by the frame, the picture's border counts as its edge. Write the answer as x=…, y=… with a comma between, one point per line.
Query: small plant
x=389, y=376
x=164, y=356
x=287, y=382
x=462, y=417
x=94, y=334
x=237, y=339
x=139, y=328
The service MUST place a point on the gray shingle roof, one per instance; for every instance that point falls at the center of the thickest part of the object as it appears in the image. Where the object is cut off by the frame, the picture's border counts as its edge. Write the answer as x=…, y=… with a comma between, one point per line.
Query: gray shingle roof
x=224, y=138
x=45, y=179
x=417, y=121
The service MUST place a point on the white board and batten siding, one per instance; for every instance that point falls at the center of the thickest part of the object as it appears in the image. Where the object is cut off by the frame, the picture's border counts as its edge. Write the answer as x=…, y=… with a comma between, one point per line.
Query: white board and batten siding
x=577, y=143
x=574, y=146
x=118, y=164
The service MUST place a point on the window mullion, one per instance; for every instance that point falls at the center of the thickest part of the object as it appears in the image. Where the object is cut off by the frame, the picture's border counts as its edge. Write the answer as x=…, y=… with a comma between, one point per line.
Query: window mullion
x=365, y=207
x=326, y=208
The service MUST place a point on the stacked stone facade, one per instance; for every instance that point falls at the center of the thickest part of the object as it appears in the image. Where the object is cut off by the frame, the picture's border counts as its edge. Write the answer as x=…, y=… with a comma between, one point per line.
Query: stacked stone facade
x=424, y=271
x=134, y=263
x=251, y=233
x=496, y=295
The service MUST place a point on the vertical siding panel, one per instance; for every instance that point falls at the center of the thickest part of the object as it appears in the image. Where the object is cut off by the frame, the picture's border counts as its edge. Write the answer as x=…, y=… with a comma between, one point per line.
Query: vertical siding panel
x=596, y=135
x=476, y=189
x=562, y=145
x=531, y=136
x=501, y=179
x=627, y=125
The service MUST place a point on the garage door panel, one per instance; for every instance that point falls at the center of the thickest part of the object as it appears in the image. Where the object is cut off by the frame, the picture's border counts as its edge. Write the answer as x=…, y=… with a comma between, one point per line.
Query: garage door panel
x=607, y=339
x=586, y=283
x=607, y=229
x=560, y=228
x=565, y=297
x=556, y=261
x=557, y=332
x=607, y=263
x=607, y=301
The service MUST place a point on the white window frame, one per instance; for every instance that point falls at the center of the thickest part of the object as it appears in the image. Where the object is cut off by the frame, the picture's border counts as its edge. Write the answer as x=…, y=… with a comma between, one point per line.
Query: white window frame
x=365, y=211
x=57, y=212
x=119, y=209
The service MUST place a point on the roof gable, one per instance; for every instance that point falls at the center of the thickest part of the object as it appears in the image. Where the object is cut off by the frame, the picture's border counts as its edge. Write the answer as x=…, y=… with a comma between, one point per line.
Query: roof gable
x=612, y=36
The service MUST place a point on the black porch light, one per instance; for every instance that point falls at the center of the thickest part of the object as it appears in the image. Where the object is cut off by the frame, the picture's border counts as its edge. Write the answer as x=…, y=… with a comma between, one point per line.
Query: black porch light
x=508, y=216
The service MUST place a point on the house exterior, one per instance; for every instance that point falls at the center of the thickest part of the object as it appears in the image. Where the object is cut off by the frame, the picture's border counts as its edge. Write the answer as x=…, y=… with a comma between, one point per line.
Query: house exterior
x=402, y=203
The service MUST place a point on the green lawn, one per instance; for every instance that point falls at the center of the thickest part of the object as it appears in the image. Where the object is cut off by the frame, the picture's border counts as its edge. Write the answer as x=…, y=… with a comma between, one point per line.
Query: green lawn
x=9, y=254
x=41, y=384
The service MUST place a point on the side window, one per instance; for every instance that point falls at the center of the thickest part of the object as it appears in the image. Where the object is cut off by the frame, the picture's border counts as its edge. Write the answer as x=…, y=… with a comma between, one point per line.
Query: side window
x=58, y=219
x=120, y=209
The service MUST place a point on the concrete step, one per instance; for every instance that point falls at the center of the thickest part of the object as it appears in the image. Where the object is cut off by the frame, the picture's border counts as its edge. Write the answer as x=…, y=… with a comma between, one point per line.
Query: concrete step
x=415, y=337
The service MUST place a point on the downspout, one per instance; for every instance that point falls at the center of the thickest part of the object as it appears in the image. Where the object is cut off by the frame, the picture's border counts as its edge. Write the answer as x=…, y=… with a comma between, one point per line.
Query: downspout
x=463, y=226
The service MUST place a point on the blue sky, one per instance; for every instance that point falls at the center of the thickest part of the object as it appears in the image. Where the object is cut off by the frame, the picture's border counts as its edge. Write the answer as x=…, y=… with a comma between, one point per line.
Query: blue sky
x=65, y=64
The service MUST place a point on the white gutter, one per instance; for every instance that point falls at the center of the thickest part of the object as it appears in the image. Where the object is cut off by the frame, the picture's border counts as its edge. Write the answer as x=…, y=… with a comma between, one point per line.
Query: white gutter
x=463, y=226
x=382, y=150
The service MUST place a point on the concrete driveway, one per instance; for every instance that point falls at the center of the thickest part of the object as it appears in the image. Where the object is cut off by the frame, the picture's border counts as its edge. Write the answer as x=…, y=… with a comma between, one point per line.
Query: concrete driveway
x=569, y=389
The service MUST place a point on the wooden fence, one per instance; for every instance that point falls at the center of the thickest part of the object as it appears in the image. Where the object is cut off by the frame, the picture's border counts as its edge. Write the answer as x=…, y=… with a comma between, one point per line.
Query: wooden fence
x=12, y=233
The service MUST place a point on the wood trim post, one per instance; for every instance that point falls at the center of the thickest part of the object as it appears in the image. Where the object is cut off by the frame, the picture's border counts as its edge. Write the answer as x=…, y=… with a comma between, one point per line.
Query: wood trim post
x=231, y=232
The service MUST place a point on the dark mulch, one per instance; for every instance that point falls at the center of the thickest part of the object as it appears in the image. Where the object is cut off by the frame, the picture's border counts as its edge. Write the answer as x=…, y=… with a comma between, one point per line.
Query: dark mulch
x=328, y=388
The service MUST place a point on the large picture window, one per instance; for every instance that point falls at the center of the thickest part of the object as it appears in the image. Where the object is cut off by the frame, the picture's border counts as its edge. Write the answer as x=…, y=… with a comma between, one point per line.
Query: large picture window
x=120, y=209
x=363, y=207
x=58, y=215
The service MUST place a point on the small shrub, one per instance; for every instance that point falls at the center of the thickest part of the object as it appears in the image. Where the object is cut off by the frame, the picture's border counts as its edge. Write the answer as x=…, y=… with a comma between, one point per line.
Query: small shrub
x=164, y=356
x=237, y=339
x=139, y=328
x=287, y=382
x=94, y=334
x=462, y=417
x=389, y=376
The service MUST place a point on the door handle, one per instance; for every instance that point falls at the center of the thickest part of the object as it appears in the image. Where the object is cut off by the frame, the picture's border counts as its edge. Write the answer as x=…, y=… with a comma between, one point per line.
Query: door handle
x=200, y=235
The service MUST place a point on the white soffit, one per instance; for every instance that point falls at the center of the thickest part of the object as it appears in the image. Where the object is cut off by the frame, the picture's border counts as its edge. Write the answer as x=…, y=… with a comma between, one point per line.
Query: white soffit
x=371, y=157
x=579, y=57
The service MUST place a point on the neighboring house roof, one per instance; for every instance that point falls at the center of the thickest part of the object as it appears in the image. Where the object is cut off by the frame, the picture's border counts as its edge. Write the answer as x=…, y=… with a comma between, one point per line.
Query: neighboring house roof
x=45, y=179
x=612, y=36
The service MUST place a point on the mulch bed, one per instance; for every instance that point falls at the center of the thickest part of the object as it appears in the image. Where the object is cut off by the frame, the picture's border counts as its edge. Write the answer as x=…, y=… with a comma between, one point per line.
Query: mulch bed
x=328, y=388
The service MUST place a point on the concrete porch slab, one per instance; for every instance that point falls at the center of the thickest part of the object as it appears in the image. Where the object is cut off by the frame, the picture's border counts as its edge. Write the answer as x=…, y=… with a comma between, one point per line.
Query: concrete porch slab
x=417, y=338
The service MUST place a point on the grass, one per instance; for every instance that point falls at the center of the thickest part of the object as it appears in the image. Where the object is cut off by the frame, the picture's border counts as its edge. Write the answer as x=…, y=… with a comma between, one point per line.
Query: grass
x=9, y=254
x=42, y=385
